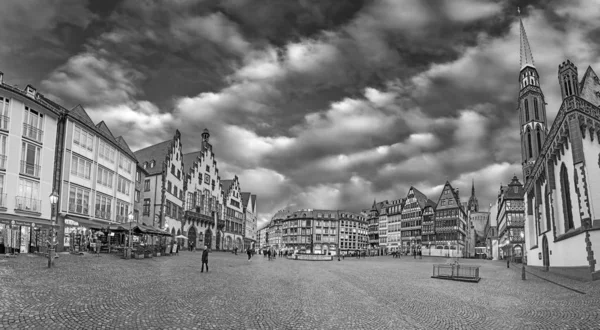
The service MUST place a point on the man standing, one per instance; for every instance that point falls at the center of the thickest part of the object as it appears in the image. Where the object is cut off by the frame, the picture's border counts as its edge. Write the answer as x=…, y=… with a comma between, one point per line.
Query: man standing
x=204, y=259
x=249, y=251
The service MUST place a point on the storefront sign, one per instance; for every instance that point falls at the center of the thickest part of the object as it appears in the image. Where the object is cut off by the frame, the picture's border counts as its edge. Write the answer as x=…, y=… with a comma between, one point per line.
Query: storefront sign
x=22, y=223
x=71, y=223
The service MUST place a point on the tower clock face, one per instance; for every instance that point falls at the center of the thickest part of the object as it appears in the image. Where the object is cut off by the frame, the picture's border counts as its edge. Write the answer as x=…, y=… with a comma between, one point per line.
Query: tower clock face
x=206, y=178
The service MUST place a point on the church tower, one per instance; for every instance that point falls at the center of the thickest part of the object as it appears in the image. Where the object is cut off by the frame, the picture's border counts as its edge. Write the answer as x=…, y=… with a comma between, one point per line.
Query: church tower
x=473, y=205
x=531, y=108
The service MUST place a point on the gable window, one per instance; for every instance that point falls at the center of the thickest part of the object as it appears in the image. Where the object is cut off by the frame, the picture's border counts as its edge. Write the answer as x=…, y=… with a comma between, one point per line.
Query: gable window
x=30, y=159
x=566, y=198
x=105, y=177
x=145, y=165
x=83, y=138
x=207, y=168
x=79, y=200
x=199, y=178
x=147, y=185
x=81, y=167
x=103, y=206
x=4, y=117
x=32, y=125
x=152, y=163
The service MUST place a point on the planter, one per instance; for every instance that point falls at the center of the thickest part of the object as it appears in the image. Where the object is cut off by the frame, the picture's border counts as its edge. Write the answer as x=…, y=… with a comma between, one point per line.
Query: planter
x=139, y=256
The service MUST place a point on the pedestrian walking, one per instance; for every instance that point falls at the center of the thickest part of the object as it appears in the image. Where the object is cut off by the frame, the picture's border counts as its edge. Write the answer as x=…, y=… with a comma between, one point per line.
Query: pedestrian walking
x=204, y=259
x=249, y=251
x=269, y=254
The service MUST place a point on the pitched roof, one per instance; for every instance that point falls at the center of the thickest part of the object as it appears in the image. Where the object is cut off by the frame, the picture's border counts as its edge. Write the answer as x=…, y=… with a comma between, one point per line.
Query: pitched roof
x=123, y=144
x=226, y=184
x=155, y=152
x=245, y=199
x=587, y=86
x=421, y=197
x=103, y=130
x=189, y=159
x=253, y=198
x=81, y=115
x=509, y=191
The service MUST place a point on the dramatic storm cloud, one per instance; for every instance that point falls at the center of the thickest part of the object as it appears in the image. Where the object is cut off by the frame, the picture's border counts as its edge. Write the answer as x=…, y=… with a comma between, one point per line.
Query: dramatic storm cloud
x=313, y=104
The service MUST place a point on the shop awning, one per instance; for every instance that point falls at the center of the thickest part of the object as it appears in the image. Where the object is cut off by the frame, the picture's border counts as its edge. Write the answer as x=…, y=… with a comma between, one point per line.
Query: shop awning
x=19, y=220
x=82, y=222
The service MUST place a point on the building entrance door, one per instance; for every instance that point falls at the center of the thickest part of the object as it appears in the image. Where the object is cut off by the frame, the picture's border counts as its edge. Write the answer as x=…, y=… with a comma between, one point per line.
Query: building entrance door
x=192, y=235
x=545, y=254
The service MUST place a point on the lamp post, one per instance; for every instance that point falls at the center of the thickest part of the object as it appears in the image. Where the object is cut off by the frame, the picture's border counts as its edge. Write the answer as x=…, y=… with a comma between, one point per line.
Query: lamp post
x=51, y=250
x=129, y=245
x=448, y=254
x=523, y=276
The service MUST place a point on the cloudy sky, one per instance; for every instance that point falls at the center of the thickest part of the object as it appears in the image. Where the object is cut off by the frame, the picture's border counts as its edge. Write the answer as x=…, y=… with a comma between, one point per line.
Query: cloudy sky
x=313, y=104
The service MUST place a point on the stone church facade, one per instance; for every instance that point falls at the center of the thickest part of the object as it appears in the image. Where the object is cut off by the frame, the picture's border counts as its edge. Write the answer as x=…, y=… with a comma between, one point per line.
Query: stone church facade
x=561, y=169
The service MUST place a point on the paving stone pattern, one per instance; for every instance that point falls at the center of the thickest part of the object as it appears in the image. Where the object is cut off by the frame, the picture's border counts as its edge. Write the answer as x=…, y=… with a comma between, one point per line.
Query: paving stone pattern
x=86, y=292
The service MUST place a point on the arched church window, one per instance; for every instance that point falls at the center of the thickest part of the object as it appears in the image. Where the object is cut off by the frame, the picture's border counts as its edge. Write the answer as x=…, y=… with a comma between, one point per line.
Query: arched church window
x=566, y=86
x=566, y=198
x=539, y=140
x=547, y=202
x=526, y=110
x=535, y=108
x=570, y=85
x=529, y=149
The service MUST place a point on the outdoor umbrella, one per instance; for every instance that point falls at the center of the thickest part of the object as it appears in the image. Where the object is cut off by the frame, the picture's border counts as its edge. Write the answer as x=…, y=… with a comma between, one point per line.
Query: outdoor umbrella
x=181, y=236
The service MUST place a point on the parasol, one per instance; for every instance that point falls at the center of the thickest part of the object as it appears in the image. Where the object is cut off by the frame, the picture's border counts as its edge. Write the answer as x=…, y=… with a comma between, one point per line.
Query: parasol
x=181, y=236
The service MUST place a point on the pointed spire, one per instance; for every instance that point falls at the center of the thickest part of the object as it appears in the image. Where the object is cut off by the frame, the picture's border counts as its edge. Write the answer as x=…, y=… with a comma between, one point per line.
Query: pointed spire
x=473, y=188
x=526, y=55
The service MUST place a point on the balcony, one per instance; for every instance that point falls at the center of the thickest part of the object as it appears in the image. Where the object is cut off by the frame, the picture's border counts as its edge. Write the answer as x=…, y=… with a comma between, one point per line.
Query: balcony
x=78, y=208
x=30, y=169
x=33, y=133
x=28, y=204
x=4, y=122
x=2, y=162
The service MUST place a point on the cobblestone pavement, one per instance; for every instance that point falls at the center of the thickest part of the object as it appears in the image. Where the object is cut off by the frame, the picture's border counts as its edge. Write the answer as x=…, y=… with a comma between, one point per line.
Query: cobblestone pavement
x=87, y=292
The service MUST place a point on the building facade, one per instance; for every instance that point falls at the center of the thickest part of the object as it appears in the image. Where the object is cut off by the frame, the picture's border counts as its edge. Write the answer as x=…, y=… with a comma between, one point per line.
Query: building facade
x=322, y=231
x=511, y=221
x=491, y=233
x=450, y=224
x=382, y=226
x=164, y=184
x=562, y=179
x=28, y=139
x=411, y=219
x=233, y=215
x=250, y=218
x=394, y=221
x=97, y=179
x=203, y=204
x=476, y=246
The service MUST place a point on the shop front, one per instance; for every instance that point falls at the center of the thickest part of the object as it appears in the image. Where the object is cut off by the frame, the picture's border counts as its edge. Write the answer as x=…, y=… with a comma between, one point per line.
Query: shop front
x=77, y=234
x=23, y=235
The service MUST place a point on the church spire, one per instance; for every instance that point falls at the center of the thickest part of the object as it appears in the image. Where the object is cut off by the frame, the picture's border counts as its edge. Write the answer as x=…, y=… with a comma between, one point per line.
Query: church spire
x=526, y=55
x=473, y=188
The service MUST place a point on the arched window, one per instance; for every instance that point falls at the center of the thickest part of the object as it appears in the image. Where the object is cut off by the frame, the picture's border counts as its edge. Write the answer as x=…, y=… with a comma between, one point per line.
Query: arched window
x=566, y=198
x=529, y=148
x=539, y=140
x=570, y=85
x=526, y=110
x=535, y=108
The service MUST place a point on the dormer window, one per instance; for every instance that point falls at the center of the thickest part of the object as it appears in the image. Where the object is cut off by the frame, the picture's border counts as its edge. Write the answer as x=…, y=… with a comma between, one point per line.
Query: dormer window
x=596, y=80
x=152, y=163
x=597, y=93
x=145, y=165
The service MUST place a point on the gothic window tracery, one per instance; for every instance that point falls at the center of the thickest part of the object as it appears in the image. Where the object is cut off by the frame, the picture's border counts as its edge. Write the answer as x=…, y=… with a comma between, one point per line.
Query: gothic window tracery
x=566, y=198
x=539, y=139
x=535, y=108
x=529, y=148
x=526, y=110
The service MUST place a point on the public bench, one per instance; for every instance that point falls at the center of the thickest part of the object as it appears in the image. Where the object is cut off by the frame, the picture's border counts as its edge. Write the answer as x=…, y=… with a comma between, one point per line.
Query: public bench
x=456, y=272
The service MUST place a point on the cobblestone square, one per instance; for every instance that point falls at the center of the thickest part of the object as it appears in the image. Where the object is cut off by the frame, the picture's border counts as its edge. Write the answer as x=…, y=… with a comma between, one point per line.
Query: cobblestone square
x=88, y=292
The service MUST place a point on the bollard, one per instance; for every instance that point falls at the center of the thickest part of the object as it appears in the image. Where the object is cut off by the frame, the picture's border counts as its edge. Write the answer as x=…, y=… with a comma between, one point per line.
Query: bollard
x=523, y=276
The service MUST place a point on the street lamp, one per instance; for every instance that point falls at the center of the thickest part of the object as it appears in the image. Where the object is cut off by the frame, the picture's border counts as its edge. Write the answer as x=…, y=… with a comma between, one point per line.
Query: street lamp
x=51, y=250
x=523, y=276
x=130, y=218
x=448, y=254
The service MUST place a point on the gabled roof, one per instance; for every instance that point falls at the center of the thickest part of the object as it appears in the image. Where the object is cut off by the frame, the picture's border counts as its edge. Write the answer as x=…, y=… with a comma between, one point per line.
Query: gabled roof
x=587, y=87
x=226, y=184
x=421, y=197
x=156, y=152
x=189, y=159
x=81, y=115
x=123, y=144
x=104, y=131
x=245, y=199
x=253, y=199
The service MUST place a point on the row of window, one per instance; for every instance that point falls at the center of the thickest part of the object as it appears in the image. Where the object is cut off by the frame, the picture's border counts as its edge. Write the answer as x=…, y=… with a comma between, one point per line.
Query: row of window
x=85, y=139
x=79, y=202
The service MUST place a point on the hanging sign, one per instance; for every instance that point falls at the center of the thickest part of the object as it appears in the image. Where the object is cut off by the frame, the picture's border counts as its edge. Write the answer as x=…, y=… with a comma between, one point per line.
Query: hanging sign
x=71, y=223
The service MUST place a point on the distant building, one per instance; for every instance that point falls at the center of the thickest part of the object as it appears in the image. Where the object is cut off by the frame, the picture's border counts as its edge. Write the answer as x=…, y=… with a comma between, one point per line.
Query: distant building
x=491, y=233
x=511, y=220
x=250, y=218
x=393, y=227
x=450, y=224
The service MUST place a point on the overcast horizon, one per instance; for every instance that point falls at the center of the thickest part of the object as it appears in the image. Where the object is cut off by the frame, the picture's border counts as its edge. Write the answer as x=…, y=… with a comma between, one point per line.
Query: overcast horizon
x=312, y=104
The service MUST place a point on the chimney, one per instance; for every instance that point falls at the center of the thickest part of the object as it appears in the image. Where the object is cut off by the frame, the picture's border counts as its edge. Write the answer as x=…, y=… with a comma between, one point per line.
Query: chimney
x=457, y=192
x=1, y=77
x=30, y=91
